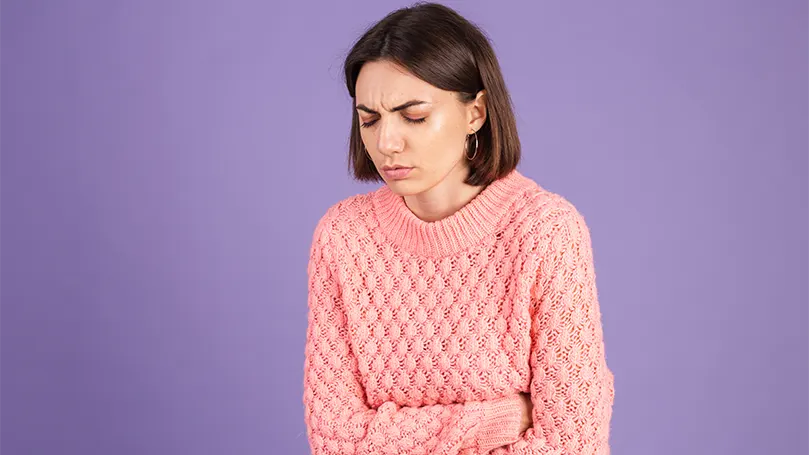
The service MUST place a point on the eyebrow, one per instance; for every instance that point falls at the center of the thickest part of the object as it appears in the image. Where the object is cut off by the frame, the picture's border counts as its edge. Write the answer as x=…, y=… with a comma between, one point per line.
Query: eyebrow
x=410, y=103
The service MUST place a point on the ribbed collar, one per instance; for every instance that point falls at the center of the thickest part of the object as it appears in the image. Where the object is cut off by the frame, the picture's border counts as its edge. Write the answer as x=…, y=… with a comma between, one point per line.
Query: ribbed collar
x=468, y=225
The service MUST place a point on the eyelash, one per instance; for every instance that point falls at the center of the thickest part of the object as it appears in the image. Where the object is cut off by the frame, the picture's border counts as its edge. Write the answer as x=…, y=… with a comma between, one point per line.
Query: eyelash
x=407, y=119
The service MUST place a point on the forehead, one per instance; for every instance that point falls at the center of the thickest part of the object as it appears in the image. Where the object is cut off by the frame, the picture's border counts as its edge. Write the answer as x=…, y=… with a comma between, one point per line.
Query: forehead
x=385, y=84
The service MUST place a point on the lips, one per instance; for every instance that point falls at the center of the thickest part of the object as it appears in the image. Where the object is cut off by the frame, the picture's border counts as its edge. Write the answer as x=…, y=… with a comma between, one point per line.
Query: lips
x=396, y=172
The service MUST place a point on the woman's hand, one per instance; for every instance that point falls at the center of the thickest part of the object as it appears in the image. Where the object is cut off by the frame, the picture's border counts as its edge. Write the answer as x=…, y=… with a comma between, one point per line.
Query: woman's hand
x=527, y=411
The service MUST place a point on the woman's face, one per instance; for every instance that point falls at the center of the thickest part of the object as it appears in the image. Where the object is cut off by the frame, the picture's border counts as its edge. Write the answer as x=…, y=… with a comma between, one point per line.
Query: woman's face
x=407, y=122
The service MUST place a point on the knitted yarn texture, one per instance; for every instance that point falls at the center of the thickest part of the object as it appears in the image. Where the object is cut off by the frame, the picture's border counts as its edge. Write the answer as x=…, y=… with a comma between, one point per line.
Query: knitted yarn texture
x=421, y=334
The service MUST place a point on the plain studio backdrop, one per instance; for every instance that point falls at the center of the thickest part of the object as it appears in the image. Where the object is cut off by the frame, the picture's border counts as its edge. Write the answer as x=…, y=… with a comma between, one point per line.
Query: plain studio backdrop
x=164, y=164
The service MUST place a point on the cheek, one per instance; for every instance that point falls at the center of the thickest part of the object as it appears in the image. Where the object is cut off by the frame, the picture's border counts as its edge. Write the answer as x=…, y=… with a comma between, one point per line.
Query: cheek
x=444, y=133
x=367, y=140
x=440, y=125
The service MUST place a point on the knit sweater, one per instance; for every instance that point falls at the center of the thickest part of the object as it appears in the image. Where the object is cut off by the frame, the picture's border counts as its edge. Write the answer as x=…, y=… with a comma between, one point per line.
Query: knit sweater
x=421, y=335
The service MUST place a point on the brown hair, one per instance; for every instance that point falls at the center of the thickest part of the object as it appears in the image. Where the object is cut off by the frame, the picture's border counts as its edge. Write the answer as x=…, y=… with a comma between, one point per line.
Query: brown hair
x=440, y=47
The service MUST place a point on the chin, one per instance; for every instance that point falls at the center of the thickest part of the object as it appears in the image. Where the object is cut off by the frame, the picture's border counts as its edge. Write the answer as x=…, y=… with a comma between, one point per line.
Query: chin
x=406, y=187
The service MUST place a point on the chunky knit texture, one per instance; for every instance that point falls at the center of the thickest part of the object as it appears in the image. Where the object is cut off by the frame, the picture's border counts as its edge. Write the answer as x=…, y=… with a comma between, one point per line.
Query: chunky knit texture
x=422, y=334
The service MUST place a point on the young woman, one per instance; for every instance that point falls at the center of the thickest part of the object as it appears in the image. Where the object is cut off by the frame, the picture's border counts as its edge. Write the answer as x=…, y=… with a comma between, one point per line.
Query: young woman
x=454, y=309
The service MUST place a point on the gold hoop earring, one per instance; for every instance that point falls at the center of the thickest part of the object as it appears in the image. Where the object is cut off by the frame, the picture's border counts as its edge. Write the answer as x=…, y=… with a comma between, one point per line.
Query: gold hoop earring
x=476, y=148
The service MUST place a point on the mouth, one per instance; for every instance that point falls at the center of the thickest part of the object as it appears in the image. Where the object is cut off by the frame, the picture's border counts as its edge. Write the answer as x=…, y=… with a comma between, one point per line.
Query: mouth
x=396, y=172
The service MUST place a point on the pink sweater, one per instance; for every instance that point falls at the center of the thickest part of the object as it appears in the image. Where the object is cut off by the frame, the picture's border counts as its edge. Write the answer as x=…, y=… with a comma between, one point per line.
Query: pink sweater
x=422, y=334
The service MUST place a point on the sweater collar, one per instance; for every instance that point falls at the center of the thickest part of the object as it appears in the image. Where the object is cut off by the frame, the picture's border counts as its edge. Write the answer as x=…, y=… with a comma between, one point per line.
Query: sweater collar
x=468, y=225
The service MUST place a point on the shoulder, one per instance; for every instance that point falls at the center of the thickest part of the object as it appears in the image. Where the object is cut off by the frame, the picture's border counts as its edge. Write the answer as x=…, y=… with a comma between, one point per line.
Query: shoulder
x=544, y=215
x=341, y=218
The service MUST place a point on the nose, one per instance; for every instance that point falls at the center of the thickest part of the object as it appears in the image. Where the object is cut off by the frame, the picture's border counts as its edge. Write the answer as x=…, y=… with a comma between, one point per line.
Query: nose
x=390, y=139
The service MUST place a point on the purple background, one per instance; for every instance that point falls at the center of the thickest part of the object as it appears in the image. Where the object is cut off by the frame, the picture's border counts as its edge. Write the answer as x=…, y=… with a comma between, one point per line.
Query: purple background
x=164, y=164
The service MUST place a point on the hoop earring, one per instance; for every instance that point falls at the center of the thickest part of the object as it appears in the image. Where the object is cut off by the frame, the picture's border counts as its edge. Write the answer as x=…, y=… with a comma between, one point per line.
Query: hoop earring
x=476, y=148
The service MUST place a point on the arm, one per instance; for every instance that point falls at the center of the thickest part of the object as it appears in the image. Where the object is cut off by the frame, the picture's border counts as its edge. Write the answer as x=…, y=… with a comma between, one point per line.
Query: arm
x=572, y=389
x=337, y=417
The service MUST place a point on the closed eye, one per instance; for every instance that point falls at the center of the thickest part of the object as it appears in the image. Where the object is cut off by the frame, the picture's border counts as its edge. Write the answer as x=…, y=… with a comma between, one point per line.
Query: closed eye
x=415, y=120
x=407, y=119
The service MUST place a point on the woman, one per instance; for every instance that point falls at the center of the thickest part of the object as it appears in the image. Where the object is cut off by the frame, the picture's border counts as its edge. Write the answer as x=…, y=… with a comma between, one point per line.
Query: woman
x=454, y=309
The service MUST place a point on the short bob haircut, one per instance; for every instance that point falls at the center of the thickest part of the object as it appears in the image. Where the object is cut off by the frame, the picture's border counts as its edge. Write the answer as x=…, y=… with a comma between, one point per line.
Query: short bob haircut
x=440, y=47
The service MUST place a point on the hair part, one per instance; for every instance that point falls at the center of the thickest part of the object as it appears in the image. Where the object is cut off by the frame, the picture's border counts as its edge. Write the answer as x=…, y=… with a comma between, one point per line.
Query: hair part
x=442, y=48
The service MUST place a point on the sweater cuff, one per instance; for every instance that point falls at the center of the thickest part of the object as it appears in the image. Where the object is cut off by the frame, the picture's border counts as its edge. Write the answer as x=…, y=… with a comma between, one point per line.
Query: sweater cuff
x=501, y=423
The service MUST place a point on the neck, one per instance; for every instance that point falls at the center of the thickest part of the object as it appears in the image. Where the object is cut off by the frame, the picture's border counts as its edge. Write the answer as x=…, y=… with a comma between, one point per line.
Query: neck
x=477, y=218
x=444, y=199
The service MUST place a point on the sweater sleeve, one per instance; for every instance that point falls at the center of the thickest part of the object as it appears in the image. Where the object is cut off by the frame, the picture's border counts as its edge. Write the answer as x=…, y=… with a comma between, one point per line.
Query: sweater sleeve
x=337, y=416
x=571, y=387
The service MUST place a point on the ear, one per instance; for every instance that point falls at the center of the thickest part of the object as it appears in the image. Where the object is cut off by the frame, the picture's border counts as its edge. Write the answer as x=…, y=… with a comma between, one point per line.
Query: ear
x=476, y=112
